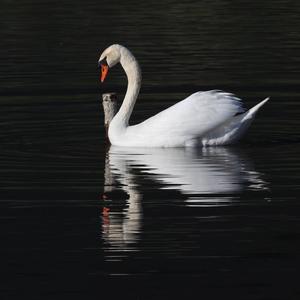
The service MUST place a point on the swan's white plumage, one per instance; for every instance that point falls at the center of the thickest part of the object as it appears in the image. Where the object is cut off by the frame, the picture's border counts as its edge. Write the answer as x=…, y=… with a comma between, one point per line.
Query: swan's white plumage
x=187, y=120
x=204, y=118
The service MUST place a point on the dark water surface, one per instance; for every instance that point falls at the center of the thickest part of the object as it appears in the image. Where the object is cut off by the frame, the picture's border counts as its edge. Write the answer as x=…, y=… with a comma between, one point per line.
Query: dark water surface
x=80, y=222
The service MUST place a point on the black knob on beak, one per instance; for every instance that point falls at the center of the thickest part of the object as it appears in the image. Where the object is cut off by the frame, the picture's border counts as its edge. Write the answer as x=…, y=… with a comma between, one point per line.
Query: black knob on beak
x=102, y=62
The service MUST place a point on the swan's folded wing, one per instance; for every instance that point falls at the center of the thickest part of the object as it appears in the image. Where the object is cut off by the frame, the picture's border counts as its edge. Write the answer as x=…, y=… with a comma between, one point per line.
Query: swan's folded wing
x=190, y=118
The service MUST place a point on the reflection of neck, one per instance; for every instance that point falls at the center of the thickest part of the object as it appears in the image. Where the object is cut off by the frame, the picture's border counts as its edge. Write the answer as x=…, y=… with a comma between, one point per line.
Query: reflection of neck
x=133, y=72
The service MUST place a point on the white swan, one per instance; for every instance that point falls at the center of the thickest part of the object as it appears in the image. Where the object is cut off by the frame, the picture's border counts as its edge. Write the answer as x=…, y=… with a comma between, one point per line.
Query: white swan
x=202, y=119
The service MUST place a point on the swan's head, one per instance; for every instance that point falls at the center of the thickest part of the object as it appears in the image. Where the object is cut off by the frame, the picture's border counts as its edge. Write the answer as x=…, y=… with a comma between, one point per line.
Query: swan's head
x=111, y=56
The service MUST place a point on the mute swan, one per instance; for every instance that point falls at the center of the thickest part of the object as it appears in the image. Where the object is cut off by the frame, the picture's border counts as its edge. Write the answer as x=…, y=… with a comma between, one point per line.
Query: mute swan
x=202, y=119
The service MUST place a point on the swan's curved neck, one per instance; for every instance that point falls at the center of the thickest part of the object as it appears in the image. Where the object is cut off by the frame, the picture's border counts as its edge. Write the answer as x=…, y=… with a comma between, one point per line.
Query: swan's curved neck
x=134, y=77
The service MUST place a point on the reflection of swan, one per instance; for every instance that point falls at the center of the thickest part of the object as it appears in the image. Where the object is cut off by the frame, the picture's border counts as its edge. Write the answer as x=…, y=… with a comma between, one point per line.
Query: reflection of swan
x=204, y=118
x=211, y=170
x=208, y=176
x=192, y=171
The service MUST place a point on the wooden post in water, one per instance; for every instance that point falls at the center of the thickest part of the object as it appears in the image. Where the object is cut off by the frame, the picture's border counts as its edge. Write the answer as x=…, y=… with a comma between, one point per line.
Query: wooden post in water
x=110, y=106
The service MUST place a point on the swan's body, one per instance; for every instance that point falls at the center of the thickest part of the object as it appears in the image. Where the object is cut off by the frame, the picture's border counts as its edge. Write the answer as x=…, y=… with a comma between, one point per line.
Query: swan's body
x=202, y=119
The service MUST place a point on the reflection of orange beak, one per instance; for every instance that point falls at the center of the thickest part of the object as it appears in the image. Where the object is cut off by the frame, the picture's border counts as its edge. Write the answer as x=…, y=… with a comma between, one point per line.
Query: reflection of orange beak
x=104, y=71
x=105, y=212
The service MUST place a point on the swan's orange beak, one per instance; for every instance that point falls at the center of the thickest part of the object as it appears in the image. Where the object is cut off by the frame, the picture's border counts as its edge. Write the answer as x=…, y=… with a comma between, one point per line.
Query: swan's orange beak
x=104, y=71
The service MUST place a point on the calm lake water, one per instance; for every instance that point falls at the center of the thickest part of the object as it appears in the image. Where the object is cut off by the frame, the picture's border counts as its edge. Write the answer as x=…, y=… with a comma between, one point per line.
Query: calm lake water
x=81, y=221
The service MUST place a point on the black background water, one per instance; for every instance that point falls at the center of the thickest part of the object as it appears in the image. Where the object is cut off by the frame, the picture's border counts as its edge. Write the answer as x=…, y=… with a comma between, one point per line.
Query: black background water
x=221, y=223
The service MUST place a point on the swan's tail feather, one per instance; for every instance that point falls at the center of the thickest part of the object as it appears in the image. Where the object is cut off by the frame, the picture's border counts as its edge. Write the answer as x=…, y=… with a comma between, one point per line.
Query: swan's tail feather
x=234, y=129
x=252, y=111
